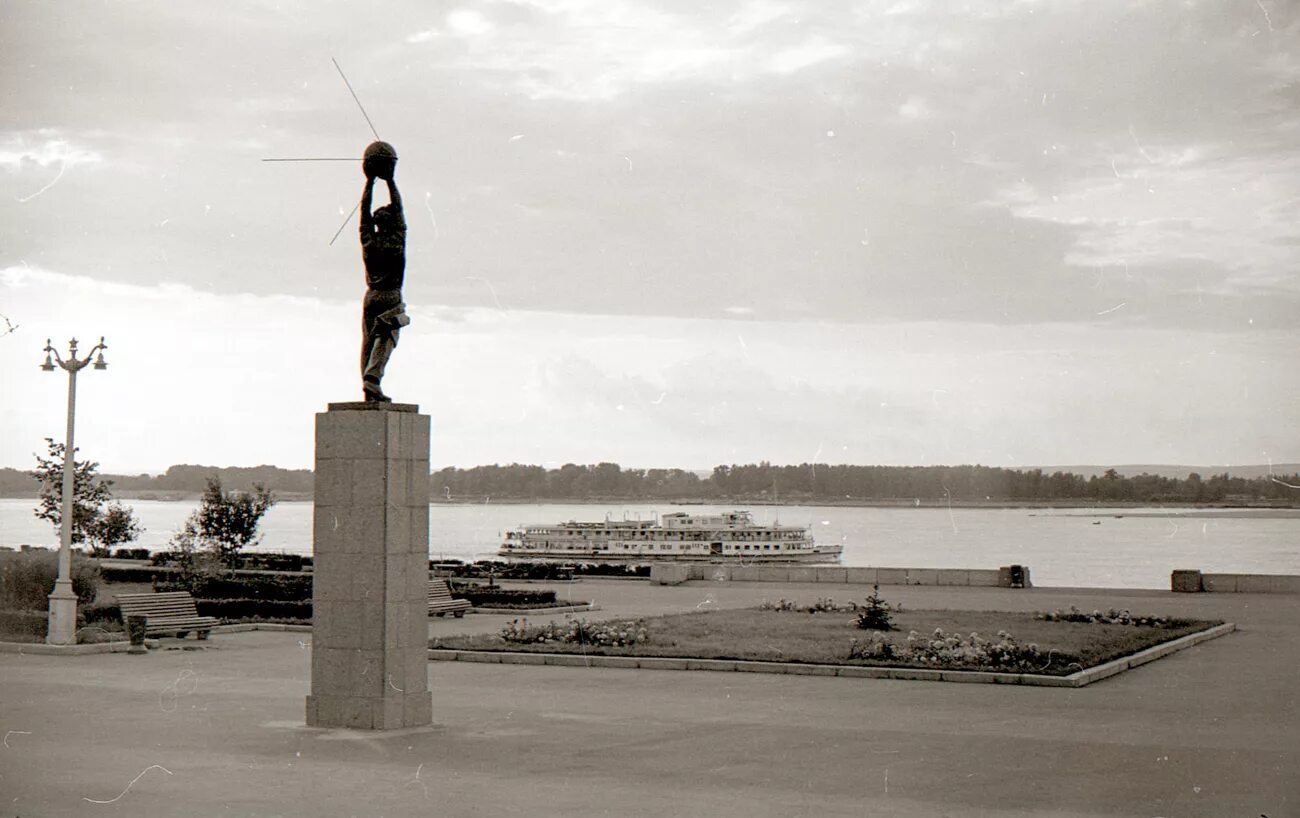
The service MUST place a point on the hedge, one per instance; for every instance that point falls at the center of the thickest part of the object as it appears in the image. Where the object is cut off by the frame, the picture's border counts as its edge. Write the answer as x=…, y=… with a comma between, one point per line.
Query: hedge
x=271, y=587
x=478, y=595
x=254, y=609
x=259, y=562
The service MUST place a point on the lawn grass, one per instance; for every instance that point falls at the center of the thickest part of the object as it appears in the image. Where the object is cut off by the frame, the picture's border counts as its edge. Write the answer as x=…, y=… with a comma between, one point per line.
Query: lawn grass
x=824, y=638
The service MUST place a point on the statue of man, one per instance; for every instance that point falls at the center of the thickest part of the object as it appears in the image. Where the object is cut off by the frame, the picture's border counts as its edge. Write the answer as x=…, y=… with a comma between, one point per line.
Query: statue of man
x=383, y=248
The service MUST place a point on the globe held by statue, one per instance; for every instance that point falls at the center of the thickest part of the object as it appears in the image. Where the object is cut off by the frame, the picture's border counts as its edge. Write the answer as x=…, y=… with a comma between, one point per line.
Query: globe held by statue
x=379, y=161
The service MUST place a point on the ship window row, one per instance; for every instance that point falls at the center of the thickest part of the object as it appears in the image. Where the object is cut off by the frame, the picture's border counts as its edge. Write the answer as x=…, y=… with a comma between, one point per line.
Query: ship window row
x=794, y=534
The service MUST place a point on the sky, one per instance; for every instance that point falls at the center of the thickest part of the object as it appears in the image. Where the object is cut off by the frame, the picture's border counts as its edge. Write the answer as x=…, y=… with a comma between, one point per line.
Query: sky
x=665, y=234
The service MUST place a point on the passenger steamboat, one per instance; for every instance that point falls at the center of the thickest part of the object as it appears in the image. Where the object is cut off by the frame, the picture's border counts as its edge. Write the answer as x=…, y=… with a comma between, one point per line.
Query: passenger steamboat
x=727, y=537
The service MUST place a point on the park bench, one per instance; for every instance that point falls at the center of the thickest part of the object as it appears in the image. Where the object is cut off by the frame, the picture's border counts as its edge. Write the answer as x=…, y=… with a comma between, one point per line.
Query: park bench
x=170, y=612
x=441, y=603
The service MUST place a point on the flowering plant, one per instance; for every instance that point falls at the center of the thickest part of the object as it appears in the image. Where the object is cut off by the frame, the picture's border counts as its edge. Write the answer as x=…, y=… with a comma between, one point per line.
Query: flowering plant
x=1110, y=617
x=952, y=649
x=577, y=632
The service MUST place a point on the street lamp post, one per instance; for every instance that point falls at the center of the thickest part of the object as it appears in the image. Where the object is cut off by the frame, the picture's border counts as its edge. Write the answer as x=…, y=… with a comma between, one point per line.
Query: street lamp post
x=63, y=601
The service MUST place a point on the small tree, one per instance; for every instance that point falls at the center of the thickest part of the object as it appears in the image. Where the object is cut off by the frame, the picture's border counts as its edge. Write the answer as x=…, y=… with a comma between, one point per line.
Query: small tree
x=875, y=616
x=89, y=494
x=115, y=524
x=227, y=520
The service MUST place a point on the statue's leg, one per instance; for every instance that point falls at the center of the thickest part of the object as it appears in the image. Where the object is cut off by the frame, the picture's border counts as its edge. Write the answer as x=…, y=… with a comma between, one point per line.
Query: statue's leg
x=376, y=362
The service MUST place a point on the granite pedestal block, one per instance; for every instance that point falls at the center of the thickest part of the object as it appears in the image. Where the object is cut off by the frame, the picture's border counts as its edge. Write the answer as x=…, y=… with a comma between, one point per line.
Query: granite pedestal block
x=370, y=591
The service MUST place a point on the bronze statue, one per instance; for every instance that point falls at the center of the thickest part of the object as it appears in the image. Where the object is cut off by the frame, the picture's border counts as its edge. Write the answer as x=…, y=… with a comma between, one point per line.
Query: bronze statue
x=383, y=248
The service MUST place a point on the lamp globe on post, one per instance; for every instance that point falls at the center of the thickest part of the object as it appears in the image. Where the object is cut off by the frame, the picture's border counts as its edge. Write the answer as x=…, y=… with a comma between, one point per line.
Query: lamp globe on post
x=63, y=601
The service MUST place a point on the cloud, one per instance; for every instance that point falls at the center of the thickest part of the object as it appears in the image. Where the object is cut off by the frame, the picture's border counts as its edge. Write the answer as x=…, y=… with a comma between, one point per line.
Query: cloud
x=44, y=148
x=915, y=109
x=810, y=53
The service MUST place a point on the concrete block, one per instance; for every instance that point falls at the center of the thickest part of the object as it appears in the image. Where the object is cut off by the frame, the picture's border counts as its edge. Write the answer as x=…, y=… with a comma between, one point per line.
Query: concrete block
x=891, y=576
x=330, y=580
x=420, y=529
x=356, y=712
x=397, y=626
x=368, y=483
x=670, y=573
x=399, y=437
x=752, y=667
x=983, y=578
x=423, y=435
x=368, y=576
x=1284, y=584
x=922, y=576
x=860, y=576
x=809, y=670
x=371, y=624
x=952, y=576
x=350, y=435
x=710, y=664
x=389, y=714
x=1185, y=581
x=415, y=673
x=527, y=658
x=835, y=575
x=333, y=667
x=1219, y=583
x=799, y=574
x=332, y=483
x=1254, y=584
x=417, y=709
x=569, y=660
x=619, y=661
x=967, y=676
x=662, y=663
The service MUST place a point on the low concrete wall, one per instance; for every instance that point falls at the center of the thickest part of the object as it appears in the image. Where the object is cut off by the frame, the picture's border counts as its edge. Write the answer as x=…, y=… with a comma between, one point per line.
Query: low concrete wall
x=1238, y=583
x=675, y=573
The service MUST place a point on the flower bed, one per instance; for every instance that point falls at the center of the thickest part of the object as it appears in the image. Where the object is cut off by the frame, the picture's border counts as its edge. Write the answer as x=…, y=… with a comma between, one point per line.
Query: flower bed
x=1038, y=645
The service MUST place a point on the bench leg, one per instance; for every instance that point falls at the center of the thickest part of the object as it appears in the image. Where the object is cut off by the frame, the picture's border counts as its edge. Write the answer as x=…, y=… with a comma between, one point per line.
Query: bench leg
x=202, y=635
x=460, y=614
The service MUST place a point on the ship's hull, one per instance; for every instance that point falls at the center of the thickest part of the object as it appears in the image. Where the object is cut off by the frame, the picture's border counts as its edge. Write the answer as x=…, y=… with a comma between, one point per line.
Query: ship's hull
x=821, y=557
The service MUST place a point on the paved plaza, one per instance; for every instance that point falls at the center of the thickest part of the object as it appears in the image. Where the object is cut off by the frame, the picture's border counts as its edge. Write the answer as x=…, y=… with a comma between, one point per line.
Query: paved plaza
x=1210, y=731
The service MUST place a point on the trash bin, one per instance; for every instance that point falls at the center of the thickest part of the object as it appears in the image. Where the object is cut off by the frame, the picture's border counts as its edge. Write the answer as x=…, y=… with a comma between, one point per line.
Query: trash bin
x=135, y=629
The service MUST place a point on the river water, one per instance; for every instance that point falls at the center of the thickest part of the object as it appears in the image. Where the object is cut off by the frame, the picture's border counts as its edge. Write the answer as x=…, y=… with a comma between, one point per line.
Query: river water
x=1115, y=548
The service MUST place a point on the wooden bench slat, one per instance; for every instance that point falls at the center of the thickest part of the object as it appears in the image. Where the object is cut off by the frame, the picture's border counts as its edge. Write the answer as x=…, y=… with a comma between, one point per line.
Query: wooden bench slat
x=441, y=601
x=167, y=612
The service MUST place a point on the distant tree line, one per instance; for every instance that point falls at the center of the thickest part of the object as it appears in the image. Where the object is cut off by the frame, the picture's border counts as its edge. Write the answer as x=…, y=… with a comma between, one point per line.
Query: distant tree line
x=806, y=482
x=821, y=482
x=183, y=479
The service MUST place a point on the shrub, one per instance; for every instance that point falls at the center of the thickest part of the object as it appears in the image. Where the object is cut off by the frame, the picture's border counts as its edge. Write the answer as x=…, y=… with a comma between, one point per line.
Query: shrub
x=27, y=579
x=255, y=609
x=100, y=613
x=131, y=554
x=23, y=626
x=577, y=632
x=875, y=616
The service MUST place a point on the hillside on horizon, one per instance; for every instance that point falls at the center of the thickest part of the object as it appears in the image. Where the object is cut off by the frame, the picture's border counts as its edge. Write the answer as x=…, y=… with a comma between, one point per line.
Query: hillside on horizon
x=761, y=482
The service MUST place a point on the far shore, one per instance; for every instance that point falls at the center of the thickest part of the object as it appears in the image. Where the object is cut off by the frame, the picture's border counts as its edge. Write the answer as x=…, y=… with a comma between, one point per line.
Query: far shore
x=1141, y=509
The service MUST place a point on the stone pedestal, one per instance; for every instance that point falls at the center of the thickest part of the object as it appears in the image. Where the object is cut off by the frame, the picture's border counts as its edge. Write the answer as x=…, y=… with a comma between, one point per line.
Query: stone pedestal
x=370, y=591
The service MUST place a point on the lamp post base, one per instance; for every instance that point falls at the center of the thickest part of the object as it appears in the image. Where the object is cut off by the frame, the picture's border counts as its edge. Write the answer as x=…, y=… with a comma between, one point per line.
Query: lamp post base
x=63, y=614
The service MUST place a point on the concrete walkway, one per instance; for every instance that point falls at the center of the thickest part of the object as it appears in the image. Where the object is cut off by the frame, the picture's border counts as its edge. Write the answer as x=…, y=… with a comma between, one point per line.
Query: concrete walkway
x=1211, y=731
